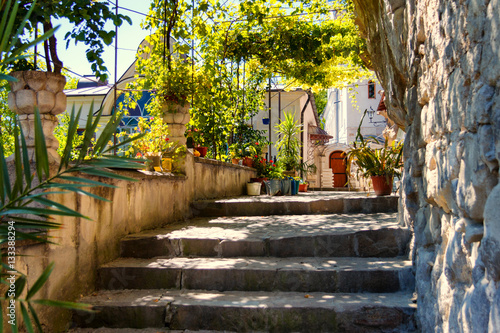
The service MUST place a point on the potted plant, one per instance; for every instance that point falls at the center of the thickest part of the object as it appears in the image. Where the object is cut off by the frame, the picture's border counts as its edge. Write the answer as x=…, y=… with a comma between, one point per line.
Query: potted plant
x=263, y=169
x=249, y=152
x=236, y=153
x=44, y=89
x=275, y=175
x=195, y=140
x=381, y=164
x=172, y=157
x=152, y=144
x=303, y=186
x=288, y=145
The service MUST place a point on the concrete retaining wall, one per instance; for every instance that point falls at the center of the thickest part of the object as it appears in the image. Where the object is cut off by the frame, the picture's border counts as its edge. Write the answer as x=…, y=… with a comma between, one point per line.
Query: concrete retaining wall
x=151, y=202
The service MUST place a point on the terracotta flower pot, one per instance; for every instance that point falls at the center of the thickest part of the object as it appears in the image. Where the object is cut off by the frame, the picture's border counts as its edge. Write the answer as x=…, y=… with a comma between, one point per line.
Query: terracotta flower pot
x=202, y=151
x=382, y=185
x=303, y=187
x=247, y=161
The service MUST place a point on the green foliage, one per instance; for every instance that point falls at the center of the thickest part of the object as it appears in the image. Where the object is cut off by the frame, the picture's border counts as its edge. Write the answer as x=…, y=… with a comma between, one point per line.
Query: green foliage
x=310, y=49
x=154, y=140
x=288, y=144
x=26, y=303
x=267, y=169
x=7, y=124
x=12, y=25
x=37, y=184
x=88, y=18
x=386, y=161
x=226, y=51
x=249, y=142
x=60, y=133
x=321, y=99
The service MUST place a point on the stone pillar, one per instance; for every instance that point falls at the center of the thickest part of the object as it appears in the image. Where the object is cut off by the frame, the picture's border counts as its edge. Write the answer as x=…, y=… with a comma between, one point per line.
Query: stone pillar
x=176, y=116
x=44, y=91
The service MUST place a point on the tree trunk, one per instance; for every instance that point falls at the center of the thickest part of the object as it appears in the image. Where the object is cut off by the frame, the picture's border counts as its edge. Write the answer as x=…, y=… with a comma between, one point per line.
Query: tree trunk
x=47, y=55
x=53, y=49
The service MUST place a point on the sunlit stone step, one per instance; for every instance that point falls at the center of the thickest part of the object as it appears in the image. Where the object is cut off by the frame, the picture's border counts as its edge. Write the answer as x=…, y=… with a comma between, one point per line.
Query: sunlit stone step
x=260, y=274
x=304, y=203
x=250, y=311
x=333, y=235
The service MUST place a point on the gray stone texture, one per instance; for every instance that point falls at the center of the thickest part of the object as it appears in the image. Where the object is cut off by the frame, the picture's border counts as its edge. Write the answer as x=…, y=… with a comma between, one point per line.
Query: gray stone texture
x=439, y=63
x=250, y=311
x=332, y=235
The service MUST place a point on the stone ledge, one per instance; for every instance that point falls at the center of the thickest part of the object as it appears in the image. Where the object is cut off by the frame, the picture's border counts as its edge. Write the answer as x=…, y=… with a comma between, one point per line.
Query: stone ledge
x=220, y=163
x=143, y=174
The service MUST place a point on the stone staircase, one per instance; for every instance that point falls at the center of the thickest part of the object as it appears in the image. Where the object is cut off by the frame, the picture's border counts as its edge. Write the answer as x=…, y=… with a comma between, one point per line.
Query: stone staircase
x=338, y=267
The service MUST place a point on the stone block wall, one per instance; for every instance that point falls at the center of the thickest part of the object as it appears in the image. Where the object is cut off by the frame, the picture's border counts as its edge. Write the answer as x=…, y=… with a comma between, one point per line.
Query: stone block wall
x=439, y=63
x=150, y=202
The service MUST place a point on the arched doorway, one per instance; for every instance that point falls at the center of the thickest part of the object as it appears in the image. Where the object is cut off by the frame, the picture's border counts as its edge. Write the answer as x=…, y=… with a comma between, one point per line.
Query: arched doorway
x=338, y=165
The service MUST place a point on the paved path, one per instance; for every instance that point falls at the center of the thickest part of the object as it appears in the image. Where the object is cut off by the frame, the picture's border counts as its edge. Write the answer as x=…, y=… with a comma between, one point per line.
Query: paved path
x=259, y=272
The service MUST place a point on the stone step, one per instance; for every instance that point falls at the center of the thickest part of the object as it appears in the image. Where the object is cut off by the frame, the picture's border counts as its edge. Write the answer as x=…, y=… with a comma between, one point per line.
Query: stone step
x=250, y=311
x=302, y=204
x=136, y=330
x=334, y=275
x=332, y=235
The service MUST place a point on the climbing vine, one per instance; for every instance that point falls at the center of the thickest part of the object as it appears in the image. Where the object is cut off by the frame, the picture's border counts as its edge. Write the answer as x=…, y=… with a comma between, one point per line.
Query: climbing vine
x=218, y=56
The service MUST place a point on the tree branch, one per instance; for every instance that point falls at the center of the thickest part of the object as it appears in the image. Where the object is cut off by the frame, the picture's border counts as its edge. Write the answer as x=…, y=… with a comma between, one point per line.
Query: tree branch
x=53, y=49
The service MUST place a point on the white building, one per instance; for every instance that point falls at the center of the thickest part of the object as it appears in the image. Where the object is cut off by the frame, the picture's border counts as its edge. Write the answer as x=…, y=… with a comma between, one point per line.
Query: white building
x=342, y=116
x=302, y=105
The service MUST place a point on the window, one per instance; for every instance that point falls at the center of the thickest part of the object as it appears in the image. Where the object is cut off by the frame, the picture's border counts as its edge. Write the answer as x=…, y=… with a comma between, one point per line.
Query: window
x=371, y=89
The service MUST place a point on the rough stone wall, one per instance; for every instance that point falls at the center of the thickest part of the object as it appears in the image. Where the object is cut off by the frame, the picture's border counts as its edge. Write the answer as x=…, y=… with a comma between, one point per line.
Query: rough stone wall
x=439, y=63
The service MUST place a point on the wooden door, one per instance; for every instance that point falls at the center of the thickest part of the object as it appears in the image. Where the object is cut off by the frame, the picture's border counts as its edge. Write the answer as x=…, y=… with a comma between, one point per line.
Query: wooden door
x=338, y=166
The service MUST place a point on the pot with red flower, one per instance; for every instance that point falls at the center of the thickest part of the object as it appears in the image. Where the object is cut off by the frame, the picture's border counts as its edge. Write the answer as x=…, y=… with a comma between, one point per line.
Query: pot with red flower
x=248, y=161
x=202, y=151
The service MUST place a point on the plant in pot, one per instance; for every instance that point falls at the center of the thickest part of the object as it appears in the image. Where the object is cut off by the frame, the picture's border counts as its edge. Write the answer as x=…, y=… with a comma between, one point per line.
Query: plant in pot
x=250, y=150
x=198, y=142
x=44, y=89
x=263, y=169
x=305, y=169
x=288, y=145
x=381, y=164
x=172, y=156
x=236, y=152
x=275, y=175
x=303, y=186
x=164, y=68
x=152, y=144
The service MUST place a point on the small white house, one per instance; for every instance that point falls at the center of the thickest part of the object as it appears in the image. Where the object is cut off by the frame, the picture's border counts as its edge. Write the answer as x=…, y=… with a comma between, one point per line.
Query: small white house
x=342, y=116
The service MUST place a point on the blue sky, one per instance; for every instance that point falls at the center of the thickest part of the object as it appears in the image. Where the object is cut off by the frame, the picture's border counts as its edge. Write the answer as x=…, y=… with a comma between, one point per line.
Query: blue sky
x=129, y=37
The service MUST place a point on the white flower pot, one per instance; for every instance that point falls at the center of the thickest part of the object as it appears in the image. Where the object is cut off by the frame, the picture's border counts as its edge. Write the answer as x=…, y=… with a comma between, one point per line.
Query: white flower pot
x=253, y=188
